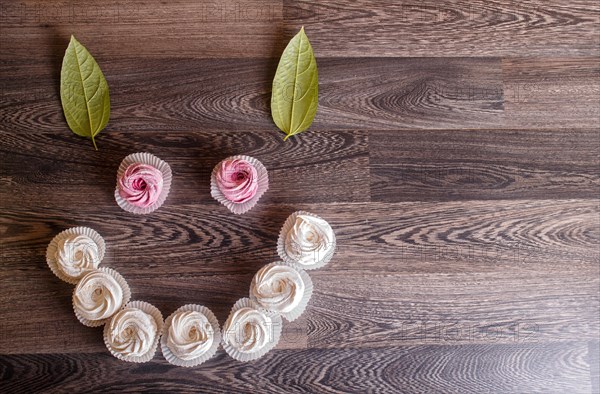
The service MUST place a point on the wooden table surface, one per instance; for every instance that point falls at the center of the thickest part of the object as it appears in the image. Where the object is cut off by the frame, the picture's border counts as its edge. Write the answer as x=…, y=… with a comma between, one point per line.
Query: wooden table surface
x=455, y=153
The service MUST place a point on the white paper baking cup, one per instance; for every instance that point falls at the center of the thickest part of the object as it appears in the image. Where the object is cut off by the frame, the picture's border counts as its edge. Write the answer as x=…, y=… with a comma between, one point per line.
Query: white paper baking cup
x=285, y=229
x=149, y=159
x=275, y=332
x=240, y=208
x=126, y=297
x=299, y=309
x=158, y=318
x=171, y=357
x=53, y=247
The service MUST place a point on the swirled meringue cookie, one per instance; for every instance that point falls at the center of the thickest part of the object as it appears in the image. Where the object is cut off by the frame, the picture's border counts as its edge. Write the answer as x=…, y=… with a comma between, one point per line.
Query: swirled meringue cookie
x=133, y=333
x=143, y=183
x=237, y=179
x=306, y=240
x=281, y=288
x=238, y=182
x=99, y=295
x=74, y=252
x=250, y=332
x=140, y=185
x=192, y=336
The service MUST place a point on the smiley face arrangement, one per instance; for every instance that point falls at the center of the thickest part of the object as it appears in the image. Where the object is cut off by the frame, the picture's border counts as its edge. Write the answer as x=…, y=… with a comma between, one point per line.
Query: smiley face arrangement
x=133, y=330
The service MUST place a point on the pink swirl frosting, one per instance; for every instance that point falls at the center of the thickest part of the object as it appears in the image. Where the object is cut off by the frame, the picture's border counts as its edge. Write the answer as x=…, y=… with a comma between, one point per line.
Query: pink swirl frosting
x=238, y=180
x=141, y=185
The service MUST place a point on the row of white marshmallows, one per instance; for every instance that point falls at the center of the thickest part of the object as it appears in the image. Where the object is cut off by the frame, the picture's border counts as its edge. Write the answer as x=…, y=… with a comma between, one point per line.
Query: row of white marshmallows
x=132, y=329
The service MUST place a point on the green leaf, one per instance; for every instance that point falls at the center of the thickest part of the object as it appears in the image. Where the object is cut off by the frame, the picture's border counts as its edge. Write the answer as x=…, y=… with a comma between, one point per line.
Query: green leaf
x=295, y=94
x=83, y=92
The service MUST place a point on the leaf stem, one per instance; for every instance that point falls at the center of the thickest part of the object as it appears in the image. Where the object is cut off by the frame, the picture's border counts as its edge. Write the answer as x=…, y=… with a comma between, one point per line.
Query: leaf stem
x=94, y=142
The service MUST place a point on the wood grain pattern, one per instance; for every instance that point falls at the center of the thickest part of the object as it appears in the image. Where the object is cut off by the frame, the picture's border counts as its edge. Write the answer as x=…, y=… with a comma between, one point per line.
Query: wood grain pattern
x=397, y=310
x=252, y=28
x=303, y=170
x=451, y=165
x=179, y=28
x=450, y=28
x=358, y=94
x=402, y=231
x=544, y=368
x=396, y=269
x=477, y=235
x=53, y=328
x=455, y=152
x=362, y=94
x=552, y=93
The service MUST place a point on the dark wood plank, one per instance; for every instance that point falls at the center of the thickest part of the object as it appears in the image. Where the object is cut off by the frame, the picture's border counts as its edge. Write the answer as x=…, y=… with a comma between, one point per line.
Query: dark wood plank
x=385, y=309
x=260, y=28
x=495, y=165
x=552, y=93
x=362, y=94
x=451, y=28
x=472, y=368
x=179, y=28
x=305, y=169
x=473, y=236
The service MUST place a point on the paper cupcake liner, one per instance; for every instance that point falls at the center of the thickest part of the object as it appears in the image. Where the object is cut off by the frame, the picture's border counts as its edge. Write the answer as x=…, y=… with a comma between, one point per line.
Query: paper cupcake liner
x=285, y=229
x=171, y=357
x=149, y=159
x=53, y=247
x=263, y=186
x=275, y=332
x=301, y=307
x=158, y=318
x=126, y=297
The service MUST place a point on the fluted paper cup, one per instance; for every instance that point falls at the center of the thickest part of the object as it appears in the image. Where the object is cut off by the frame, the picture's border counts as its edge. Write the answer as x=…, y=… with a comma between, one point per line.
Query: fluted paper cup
x=307, y=293
x=53, y=248
x=126, y=297
x=151, y=160
x=286, y=228
x=240, y=208
x=171, y=357
x=274, y=332
x=158, y=318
